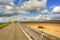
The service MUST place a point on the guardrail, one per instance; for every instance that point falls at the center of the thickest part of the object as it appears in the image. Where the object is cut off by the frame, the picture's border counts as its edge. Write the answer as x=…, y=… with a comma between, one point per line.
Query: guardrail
x=30, y=32
x=47, y=35
x=42, y=35
x=50, y=36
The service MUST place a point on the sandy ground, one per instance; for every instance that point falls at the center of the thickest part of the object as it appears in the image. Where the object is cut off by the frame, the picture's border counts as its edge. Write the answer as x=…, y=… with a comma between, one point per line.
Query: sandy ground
x=12, y=32
x=52, y=28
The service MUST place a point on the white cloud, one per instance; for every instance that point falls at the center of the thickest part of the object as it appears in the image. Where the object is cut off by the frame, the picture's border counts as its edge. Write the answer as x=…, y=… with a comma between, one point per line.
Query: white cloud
x=12, y=3
x=22, y=11
x=37, y=18
x=33, y=6
x=6, y=7
x=40, y=18
x=48, y=18
x=9, y=7
x=1, y=18
x=5, y=0
x=14, y=18
x=56, y=9
x=45, y=11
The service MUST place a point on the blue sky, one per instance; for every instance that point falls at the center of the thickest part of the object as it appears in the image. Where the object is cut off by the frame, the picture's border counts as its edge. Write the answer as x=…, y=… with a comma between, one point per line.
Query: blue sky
x=49, y=6
x=11, y=8
x=51, y=3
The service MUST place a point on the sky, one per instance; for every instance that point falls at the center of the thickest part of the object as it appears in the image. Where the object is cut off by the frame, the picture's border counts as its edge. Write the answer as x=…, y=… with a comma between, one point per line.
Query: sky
x=29, y=10
x=52, y=3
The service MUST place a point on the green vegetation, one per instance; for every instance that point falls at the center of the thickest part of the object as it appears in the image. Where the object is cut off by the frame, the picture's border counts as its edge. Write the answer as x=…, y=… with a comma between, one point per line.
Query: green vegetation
x=4, y=25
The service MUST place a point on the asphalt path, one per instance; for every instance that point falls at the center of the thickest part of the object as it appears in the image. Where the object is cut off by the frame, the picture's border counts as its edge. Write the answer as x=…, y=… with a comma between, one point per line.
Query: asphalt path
x=12, y=32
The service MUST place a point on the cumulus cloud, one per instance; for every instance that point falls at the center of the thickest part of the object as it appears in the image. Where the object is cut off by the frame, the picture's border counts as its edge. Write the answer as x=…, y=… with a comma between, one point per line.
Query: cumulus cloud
x=1, y=18
x=33, y=6
x=20, y=18
x=11, y=18
x=55, y=17
x=8, y=9
x=40, y=18
x=14, y=18
x=56, y=9
x=36, y=18
x=45, y=11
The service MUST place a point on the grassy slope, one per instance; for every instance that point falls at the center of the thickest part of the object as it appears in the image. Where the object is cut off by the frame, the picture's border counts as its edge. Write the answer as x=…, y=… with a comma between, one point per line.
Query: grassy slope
x=4, y=25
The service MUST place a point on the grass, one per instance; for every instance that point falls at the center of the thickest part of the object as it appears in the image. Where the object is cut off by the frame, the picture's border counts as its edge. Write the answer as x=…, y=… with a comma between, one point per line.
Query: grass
x=4, y=25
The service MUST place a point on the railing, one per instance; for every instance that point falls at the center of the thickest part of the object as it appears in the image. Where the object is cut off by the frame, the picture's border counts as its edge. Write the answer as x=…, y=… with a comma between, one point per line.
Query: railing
x=39, y=36
x=31, y=33
x=50, y=36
